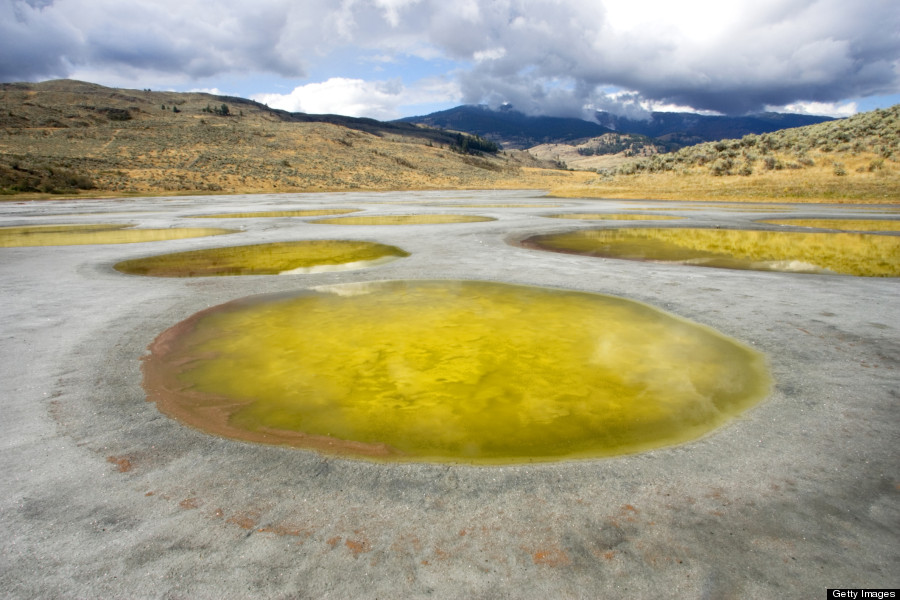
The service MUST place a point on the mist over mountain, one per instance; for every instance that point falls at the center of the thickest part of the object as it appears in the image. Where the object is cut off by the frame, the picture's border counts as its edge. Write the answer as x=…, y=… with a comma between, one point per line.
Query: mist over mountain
x=509, y=127
x=513, y=129
x=691, y=128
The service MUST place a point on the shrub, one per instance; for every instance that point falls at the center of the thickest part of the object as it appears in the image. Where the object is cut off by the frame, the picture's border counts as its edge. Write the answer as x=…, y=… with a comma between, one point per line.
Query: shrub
x=116, y=114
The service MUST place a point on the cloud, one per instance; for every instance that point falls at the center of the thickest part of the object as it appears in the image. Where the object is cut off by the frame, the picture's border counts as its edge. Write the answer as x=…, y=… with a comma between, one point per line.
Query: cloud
x=778, y=52
x=359, y=98
x=831, y=109
x=33, y=44
x=543, y=56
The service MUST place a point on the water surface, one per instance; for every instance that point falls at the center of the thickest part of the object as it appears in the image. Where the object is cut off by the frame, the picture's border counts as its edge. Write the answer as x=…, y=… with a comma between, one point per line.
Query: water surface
x=97, y=233
x=265, y=259
x=797, y=252
x=452, y=371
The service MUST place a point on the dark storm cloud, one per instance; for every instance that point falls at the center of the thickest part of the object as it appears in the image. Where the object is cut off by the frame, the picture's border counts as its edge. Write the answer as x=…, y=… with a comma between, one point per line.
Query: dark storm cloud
x=45, y=38
x=543, y=56
x=34, y=45
x=821, y=51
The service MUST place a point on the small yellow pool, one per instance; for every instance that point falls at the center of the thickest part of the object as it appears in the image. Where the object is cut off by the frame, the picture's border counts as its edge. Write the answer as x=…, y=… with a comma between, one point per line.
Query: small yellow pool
x=796, y=252
x=265, y=259
x=98, y=233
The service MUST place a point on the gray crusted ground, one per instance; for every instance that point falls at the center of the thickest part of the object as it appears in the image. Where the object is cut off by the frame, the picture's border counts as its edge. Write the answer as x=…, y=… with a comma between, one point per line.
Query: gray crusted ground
x=103, y=497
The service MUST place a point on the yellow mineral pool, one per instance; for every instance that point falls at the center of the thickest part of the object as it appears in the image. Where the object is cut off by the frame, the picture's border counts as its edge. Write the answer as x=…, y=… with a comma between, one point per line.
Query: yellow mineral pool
x=311, y=256
x=96, y=233
x=451, y=371
x=798, y=252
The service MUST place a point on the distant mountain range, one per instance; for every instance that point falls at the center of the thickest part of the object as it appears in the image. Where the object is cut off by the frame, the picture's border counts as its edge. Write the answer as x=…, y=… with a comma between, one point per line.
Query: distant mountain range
x=509, y=127
x=690, y=128
x=514, y=129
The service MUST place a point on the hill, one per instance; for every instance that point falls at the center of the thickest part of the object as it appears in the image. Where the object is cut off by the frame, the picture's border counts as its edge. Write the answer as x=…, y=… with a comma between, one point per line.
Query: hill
x=848, y=160
x=603, y=152
x=62, y=136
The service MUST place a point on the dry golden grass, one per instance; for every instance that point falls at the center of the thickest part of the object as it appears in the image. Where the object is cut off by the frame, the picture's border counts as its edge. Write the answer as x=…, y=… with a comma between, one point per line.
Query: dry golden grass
x=818, y=183
x=157, y=151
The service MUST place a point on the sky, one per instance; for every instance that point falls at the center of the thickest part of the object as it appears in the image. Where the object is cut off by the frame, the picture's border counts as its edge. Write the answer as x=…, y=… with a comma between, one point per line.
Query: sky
x=388, y=59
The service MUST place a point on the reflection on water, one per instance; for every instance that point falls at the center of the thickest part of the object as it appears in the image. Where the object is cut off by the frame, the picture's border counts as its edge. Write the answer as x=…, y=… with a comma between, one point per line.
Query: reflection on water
x=844, y=253
x=842, y=224
x=403, y=220
x=280, y=213
x=264, y=259
x=474, y=372
x=75, y=235
x=613, y=217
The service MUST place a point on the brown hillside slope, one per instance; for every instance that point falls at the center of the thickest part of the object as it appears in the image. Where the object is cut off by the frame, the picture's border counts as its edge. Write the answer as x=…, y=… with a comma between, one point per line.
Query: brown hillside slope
x=607, y=151
x=61, y=136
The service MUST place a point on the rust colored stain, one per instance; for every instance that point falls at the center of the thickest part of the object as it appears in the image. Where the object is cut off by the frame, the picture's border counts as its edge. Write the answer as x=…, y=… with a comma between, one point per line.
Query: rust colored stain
x=189, y=503
x=405, y=542
x=284, y=530
x=358, y=547
x=552, y=557
x=333, y=541
x=244, y=520
x=122, y=463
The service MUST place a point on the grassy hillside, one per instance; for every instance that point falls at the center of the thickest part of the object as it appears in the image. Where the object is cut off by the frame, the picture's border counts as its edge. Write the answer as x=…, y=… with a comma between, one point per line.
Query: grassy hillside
x=603, y=152
x=849, y=160
x=73, y=137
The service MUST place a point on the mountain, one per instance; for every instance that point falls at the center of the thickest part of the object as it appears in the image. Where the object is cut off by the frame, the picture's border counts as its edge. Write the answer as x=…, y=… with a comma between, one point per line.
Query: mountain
x=514, y=129
x=691, y=128
x=62, y=136
x=509, y=127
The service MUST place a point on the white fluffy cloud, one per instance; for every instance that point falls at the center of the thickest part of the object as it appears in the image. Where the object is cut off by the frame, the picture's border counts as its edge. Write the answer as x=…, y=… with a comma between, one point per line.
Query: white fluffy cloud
x=549, y=56
x=359, y=98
